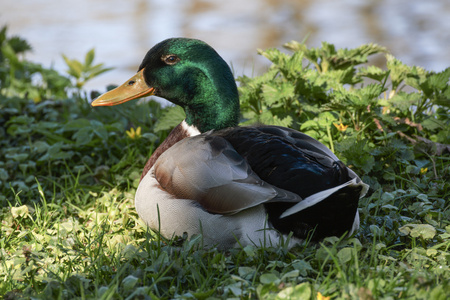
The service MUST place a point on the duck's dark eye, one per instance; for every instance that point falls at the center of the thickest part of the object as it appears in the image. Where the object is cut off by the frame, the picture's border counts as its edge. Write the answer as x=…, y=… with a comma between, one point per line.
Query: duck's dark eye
x=170, y=59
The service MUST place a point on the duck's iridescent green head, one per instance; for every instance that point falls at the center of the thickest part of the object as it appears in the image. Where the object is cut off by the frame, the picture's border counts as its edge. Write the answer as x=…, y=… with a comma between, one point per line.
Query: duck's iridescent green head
x=189, y=73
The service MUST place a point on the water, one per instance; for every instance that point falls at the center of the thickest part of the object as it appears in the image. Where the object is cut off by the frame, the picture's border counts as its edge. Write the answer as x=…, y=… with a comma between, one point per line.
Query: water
x=415, y=31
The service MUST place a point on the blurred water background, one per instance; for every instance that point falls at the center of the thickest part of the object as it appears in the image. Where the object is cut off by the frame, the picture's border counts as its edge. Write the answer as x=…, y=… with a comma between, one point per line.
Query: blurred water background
x=415, y=31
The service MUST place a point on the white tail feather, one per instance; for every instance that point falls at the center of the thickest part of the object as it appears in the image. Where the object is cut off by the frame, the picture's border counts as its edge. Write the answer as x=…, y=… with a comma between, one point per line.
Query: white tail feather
x=314, y=199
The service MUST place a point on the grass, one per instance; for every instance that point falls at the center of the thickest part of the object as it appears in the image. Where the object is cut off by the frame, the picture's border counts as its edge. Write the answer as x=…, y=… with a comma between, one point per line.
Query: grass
x=68, y=175
x=95, y=247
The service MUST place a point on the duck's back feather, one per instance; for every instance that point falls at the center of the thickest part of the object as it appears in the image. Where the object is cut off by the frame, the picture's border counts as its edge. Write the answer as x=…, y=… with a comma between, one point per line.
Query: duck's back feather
x=234, y=169
x=287, y=159
x=207, y=169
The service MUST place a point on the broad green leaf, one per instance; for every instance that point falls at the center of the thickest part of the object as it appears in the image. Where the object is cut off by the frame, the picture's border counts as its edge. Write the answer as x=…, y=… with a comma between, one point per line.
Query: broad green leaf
x=40, y=146
x=304, y=267
x=423, y=230
x=89, y=58
x=129, y=282
x=21, y=211
x=3, y=174
x=345, y=255
x=55, y=152
x=250, y=250
x=387, y=197
x=245, y=272
x=274, y=55
x=439, y=81
x=53, y=136
x=398, y=70
x=296, y=46
x=404, y=101
x=95, y=71
x=326, y=119
x=75, y=67
x=267, y=118
x=274, y=93
x=269, y=278
x=19, y=45
x=300, y=291
x=309, y=124
x=294, y=66
x=291, y=274
x=99, y=129
x=389, y=207
x=374, y=73
x=439, y=292
x=17, y=156
x=431, y=123
x=371, y=91
x=76, y=124
x=170, y=118
x=83, y=136
x=9, y=53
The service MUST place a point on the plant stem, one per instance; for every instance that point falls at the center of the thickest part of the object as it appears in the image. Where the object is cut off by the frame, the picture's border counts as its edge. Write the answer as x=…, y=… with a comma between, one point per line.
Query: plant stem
x=330, y=138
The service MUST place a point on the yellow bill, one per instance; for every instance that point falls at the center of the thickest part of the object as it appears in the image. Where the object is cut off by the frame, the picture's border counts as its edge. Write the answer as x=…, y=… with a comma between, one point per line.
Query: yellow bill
x=134, y=88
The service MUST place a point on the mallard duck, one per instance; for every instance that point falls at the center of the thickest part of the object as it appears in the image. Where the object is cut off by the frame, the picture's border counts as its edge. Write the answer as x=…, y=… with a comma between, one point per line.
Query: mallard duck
x=233, y=185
